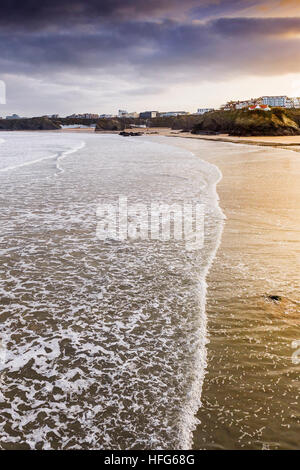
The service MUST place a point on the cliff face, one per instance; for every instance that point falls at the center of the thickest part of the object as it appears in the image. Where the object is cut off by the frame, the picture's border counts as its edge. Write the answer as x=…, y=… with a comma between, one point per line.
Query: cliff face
x=250, y=123
x=185, y=123
x=109, y=125
x=236, y=123
x=294, y=114
x=30, y=124
x=119, y=124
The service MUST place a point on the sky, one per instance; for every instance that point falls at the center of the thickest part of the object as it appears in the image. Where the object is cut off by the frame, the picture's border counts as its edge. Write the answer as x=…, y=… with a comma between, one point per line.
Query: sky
x=64, y=57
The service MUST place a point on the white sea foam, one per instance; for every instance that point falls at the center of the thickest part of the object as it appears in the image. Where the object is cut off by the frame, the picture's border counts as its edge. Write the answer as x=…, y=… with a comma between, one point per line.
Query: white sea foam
x=65, y=154
x=19, y=150
x=193, y=402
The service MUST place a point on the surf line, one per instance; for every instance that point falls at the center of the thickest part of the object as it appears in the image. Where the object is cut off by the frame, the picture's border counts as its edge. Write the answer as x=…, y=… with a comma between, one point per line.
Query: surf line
x=65, y=154
x=188, y=420
x=57, y=156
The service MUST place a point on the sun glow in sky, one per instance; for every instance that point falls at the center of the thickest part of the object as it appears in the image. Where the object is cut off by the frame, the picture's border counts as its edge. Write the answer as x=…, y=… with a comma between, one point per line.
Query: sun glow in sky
x=99, y=56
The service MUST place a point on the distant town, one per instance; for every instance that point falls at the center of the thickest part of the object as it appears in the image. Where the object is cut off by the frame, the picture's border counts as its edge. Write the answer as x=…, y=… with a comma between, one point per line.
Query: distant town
x=265, y=103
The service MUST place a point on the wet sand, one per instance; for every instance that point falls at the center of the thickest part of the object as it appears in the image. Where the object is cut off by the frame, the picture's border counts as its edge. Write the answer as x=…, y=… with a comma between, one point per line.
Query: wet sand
x=250, y=397
x=289, y=142
x=272, y=141
x=269, y=141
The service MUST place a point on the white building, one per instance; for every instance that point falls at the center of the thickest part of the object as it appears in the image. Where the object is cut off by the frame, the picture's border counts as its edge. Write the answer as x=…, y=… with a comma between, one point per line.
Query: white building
x=148, y=114
x=173, y=113
x=293, y=103
x=245, y=104
x=91, y=116
x=296, y=102
x=125, y=114
x=13, y=116
x=275, y=101
x=84, y=116
x=204, y=110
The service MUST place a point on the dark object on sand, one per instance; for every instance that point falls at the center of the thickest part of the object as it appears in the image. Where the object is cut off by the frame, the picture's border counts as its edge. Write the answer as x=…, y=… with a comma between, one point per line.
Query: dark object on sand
x=275, y=298
x=208, y=133
x=130, y=134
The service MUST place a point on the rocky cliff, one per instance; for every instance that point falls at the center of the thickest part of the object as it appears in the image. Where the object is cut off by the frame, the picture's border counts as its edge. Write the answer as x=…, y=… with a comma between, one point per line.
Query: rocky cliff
x=244, y=123
x=250, y=123
x=30, y=124
x=119, y=124
x=110, y=125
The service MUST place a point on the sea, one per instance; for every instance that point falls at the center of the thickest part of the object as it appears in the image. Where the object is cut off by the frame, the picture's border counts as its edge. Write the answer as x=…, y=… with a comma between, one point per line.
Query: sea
x=103, y=339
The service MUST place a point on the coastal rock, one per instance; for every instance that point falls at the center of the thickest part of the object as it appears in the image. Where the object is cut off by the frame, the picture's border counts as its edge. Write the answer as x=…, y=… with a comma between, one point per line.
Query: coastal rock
x=185, y=123
x=244, y=123
x=109, y=125
x=30, y=124
x=130, y=134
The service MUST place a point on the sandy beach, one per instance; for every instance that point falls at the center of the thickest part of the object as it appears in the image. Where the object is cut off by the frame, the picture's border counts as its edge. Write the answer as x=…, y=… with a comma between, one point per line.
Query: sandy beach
x=264, y=141
x=250, y=394
x=273, y=141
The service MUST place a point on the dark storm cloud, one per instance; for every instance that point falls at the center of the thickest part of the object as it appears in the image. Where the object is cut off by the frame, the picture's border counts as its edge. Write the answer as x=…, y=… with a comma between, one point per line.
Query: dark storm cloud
x=99, y=34
x=256, y=26
x=146, y=45
x=154, y=46
x=37, y=14
x=223, y=7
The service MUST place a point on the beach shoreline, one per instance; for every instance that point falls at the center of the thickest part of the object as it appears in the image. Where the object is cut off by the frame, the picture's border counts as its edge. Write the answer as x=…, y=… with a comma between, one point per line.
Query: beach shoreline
x=250, y=350
x=250, y=393
x=284, y=142
x=249, y=354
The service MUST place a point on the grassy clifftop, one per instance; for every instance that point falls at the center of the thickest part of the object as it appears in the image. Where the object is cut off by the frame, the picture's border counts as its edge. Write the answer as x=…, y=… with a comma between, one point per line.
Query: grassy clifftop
x=250, y=123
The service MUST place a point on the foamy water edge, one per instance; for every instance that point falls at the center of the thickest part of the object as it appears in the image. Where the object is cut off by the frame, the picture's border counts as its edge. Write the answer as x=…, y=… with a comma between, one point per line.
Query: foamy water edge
x=188, y=420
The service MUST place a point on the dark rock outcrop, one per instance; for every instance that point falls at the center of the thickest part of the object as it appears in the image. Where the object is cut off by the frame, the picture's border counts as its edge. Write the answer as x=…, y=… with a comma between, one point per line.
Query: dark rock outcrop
x=277, y=122
x=275, y=298
x=185, y=123
x=131, y=134
x=109, y=125
x=30, y=124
